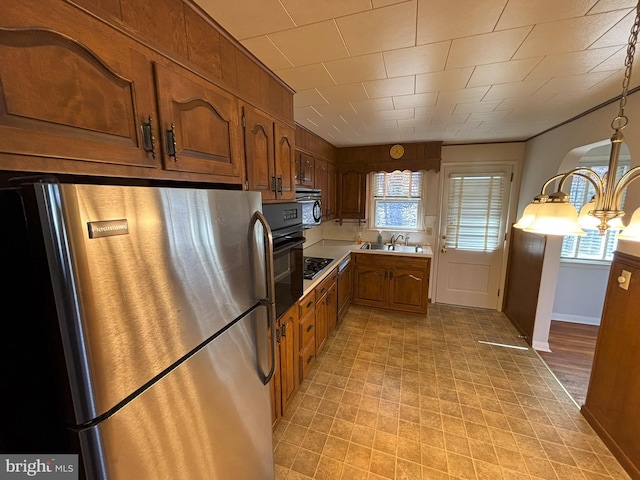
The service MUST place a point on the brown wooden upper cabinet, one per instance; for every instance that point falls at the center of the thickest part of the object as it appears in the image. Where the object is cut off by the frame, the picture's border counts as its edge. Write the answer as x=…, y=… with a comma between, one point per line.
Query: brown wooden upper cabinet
x=72, y=90
x=200, y=127
x=269, y=150
x=304, y=169
x=352, y=197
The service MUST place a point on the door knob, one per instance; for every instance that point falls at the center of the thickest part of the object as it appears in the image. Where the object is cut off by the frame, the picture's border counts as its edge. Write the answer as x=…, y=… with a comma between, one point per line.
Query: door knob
x=443, y=249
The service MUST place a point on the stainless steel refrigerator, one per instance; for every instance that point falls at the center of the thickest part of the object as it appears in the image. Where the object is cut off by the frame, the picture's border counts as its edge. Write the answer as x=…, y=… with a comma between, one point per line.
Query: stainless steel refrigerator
x=136, y=329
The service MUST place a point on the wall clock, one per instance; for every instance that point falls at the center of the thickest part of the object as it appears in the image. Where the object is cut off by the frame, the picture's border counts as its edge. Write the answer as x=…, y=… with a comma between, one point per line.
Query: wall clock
x=396, y=151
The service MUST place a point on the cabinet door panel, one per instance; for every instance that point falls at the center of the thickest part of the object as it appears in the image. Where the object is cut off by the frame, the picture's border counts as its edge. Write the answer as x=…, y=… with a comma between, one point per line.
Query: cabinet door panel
x=321, y=323
x=206, y=125
x=408, y=289
x=352, y=195
x=284, y=161
x=289, y=374
x=258, y=140
x=345, y=281
x=73, y=101
x=369, y=286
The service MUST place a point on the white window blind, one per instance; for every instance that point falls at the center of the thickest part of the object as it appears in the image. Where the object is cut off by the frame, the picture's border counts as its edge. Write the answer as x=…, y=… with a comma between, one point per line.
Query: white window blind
x=592, y=246
x=396, y=200
x=475, y=211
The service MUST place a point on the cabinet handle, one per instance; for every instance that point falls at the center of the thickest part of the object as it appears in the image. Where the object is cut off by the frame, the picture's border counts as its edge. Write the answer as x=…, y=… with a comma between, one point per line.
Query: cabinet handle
x=148, y=140
x=309, y=359
x=309, y=304
x=278, y=334
x=284, y=330
x=391, y=274
x=386, y=274
x=172, y=148
x=273, y=184
x=309, y=328
x=280, y=185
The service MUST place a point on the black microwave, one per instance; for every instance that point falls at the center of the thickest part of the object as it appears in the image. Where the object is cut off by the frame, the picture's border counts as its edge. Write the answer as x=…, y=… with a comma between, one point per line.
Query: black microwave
x=311, y=203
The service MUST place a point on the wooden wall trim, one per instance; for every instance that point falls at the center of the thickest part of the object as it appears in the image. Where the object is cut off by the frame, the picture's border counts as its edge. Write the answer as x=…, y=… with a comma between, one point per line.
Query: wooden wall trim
x=522, y=285
x=376, y=158
x=611, y=406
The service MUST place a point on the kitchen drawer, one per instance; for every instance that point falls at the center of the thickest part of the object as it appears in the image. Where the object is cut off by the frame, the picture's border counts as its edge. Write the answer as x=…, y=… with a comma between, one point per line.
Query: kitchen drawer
x=307, y=303
x=307, y=329
x=307, y=360
x=324, y=286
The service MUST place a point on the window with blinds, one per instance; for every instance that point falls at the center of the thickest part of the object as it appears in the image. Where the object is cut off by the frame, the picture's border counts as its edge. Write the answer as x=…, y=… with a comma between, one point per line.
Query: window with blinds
x=592, y=246
x=397, y=200
x=475, y=211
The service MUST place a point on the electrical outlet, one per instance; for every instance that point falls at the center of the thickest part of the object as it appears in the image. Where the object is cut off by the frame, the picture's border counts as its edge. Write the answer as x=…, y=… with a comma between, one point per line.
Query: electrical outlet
x=429, y=231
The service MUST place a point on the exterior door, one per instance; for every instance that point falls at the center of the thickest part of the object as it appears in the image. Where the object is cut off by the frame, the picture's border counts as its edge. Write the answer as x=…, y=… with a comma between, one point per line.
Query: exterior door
x=472, y=235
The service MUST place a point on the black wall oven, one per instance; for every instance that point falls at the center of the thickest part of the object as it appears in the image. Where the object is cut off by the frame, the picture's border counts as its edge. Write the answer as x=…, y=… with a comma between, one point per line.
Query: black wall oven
x=285, y=220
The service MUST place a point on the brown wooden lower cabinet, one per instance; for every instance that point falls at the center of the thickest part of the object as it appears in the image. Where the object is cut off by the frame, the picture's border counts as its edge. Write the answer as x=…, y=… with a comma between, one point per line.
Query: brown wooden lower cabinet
x=326, y=308
x=391, y=281
x=345, y=283
x=285, y=382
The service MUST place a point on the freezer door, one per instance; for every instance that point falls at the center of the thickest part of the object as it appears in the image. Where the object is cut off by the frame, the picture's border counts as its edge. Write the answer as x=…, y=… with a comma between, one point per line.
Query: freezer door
x=142, y=276
x=207, y=419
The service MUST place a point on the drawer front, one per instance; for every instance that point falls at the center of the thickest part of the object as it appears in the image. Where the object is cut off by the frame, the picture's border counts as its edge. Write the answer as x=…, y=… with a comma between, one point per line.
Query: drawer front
x=307, y=303
x=326, y=284
x=307, y=330
x=307, y=360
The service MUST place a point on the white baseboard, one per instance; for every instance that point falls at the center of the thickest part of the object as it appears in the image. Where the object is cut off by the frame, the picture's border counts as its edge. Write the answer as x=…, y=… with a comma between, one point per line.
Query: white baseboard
x=541, y=346
x=563, y=317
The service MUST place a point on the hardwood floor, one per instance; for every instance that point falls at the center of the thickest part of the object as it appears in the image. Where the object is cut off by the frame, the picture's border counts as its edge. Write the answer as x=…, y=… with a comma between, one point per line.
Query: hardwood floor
x=571, y=357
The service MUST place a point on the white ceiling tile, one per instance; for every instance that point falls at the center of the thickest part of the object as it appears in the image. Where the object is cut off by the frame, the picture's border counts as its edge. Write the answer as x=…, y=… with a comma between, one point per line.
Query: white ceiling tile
x=609, y=5
x=250, y=18
x=514, y=90
x=573, y=83
x=307, y=98
x=567, y=35
x=614, y=62
x=570, y=63
x=487, y=48
x=417, y=100
x=476, y=107
x=304, y=13
x=502, y=72
x=487, y=117
x=619, y=35
x=385, y=3
x=519, y=13
x=304, y=78
x=357, y=69
x=415, y=60
x=445, y=19
x=474, y=94
x=375, y=104
x=446, y=80
x=353, y=92
x=267, y=52
x=396, y=114
x=380, y=29
x=319, y=42
x=390, y=87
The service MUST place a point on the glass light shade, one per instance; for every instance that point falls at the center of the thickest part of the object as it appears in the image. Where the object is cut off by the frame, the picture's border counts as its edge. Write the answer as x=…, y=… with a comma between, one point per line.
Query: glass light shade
x=528, y=215
x=632, y=232
x=589, y=222
x=556, y=218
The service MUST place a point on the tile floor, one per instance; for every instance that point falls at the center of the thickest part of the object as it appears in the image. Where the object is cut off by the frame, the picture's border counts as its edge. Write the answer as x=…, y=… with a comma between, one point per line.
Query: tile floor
x=401, y=396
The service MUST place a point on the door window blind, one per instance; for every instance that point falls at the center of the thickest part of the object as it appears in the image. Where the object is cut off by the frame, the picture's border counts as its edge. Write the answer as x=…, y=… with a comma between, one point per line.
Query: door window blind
x=474, y=211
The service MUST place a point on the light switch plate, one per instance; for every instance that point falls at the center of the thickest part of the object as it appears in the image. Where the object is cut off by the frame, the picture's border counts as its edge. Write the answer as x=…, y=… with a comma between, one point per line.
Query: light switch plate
x=624, y=279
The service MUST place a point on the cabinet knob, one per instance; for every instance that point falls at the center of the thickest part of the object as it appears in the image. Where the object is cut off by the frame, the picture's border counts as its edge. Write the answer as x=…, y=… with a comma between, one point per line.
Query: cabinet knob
x=309, y=328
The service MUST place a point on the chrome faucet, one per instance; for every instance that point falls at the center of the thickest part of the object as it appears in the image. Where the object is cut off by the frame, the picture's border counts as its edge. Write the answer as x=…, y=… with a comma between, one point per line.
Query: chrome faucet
x=395, y=238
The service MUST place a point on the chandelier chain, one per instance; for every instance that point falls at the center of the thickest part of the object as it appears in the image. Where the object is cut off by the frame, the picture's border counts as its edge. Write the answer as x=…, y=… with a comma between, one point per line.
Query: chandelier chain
x=628, y=63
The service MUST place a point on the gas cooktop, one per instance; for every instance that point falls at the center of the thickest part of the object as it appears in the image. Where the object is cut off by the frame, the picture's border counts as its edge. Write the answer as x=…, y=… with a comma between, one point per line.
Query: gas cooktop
x=314, y=265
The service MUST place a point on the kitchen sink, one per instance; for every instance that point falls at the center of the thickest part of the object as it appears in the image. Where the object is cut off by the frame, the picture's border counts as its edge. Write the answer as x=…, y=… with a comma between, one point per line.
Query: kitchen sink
x=389, y=247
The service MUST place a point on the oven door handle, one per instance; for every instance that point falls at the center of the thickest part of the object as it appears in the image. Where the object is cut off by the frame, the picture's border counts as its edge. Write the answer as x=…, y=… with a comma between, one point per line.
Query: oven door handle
x=269, y=301
x=288, y=246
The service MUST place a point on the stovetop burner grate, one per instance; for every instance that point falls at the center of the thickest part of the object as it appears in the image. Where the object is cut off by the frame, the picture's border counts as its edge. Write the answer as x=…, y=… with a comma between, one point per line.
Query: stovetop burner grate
x=314, y=265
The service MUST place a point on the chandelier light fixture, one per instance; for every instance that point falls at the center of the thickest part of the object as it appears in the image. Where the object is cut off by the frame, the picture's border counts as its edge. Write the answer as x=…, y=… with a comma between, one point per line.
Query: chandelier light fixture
x=554, y=215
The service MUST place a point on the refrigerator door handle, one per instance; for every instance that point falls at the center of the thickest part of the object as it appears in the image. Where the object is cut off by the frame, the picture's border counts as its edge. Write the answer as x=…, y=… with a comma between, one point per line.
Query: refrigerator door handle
x=269, y=301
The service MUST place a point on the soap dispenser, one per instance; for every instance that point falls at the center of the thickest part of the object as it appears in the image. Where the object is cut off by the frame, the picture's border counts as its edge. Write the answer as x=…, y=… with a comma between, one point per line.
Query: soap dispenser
x=379, y=237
